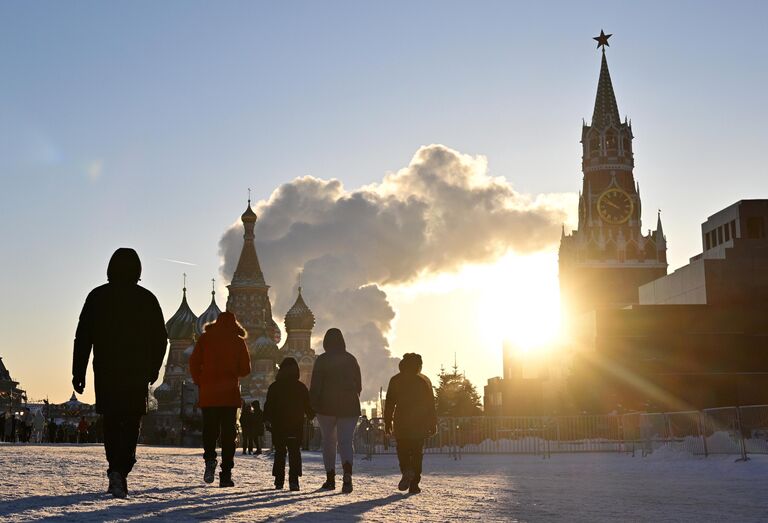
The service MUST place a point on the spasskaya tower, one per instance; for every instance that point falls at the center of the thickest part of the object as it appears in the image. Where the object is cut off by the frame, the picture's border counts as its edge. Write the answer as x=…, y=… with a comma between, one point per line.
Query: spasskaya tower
x=606, y=259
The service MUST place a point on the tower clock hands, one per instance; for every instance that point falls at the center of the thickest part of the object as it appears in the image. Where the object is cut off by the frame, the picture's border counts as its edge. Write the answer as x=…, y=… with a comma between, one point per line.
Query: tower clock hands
x=609, y=202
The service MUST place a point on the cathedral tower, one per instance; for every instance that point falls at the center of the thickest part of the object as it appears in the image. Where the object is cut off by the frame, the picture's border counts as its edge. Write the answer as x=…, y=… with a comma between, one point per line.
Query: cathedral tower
x=606, y=259
x=299, y=321
x=248, y=291
x=249, y=301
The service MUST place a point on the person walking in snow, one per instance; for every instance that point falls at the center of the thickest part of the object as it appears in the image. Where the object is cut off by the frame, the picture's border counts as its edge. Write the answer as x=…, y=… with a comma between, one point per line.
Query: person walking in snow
x=38, y=426
x=257, y=425
x=287, y=404
x=246, y=435
x=220, y=357
x=410, y=406
x=82, y=430
x=335, y=398
x=122, y=323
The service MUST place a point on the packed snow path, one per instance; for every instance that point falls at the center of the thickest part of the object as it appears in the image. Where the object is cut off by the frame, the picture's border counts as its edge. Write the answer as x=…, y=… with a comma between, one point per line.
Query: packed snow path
x=67, y=483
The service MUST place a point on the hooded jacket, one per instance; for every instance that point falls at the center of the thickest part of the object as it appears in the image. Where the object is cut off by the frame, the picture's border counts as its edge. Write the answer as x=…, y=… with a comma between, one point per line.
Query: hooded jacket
x=287, y=403
x=336, y=383
x=122, y=323
x=410, y=404
x=220, y=357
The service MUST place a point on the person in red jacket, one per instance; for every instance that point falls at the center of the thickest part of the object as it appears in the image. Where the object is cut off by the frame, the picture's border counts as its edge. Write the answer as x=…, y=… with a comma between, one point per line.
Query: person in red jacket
x=219, y=359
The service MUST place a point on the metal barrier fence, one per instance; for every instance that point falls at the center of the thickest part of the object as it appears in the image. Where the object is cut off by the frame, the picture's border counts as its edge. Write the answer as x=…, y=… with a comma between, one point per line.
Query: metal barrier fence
x=730, y=430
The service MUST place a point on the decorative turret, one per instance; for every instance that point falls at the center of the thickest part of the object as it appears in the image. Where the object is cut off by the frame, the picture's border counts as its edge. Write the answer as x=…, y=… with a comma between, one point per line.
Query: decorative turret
x=299, y=316
x=181, y=332
x=248, y=271
x=248, y=291
x=299, y=321
x=210, y=314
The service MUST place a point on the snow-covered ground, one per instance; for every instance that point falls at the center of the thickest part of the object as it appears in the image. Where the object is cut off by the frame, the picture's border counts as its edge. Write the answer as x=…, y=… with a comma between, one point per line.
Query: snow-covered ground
x=67, y=483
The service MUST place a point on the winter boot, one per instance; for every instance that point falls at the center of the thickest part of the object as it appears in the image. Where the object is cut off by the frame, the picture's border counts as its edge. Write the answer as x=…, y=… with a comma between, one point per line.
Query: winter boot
x=279, y=482
x=210, y=470
x=330, y=480
x=225, y=479
x=414, y=488
x=293, y=482
x=116, y=487
x=346, y=485
x=406, y=480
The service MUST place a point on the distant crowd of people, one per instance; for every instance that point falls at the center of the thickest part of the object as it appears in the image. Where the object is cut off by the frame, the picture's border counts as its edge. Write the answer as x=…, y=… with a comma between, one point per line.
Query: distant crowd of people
x=125, y=365
x=24, y=427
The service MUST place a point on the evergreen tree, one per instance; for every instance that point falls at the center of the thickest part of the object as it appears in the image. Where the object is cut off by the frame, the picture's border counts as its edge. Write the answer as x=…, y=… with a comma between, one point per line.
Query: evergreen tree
x=455, y=396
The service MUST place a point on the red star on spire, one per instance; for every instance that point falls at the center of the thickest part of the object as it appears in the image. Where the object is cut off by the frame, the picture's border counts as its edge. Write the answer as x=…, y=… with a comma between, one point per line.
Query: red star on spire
x=602, y=40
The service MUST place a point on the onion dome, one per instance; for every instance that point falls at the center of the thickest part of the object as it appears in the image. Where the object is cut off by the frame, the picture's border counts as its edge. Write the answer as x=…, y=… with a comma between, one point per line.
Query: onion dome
x=162, y=392
x=299, y=316
x=275, y=329
x=248, y=215
x=265, y=348
x=208, y=316
x=181, y=326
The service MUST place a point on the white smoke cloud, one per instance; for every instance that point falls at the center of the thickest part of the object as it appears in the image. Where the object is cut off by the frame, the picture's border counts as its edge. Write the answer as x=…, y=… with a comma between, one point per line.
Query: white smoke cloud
x=440, y=212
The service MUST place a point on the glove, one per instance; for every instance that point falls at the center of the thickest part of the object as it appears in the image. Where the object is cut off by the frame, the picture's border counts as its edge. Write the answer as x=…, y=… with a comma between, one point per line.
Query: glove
x=78, y=383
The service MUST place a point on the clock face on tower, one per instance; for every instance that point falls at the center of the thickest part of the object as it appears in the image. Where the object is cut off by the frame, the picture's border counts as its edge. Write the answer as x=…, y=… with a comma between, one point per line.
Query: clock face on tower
x=615, y=206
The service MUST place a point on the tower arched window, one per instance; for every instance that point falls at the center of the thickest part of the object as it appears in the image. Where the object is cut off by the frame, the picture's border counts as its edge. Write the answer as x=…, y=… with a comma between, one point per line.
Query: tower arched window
x=611, y=141
x=594, y=145
x=626, y=144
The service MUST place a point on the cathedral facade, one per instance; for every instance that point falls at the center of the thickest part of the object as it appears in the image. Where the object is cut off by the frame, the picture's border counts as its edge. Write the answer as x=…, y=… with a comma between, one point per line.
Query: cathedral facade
x=604, y=261
x=249, y=300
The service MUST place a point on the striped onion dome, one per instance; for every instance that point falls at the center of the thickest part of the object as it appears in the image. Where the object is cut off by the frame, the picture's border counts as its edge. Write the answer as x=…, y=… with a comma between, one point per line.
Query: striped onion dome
x=181, y=326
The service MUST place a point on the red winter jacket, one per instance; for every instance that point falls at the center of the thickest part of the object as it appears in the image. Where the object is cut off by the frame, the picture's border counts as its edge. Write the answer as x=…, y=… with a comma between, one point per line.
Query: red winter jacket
x=219, y=359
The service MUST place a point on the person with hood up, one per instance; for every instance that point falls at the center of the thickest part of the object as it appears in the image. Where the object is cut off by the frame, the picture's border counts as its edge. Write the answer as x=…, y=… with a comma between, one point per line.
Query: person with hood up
x=257, y=425
x=287, y=404
x=410, y=405
x=335, y=397
x=245, y=427
x=123, y=324
x=219, y=359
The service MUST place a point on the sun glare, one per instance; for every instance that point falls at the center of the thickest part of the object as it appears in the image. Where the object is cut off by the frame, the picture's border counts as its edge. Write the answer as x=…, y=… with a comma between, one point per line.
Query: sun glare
x=520, y=303
x=514, y=301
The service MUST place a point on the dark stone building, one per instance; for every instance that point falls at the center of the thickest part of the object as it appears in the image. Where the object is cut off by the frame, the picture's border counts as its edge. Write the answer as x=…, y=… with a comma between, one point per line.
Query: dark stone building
x=698, y=338
x=11, y=396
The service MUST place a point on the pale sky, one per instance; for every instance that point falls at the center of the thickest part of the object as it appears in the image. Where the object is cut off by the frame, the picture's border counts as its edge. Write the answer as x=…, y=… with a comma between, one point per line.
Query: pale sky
x=142, y=124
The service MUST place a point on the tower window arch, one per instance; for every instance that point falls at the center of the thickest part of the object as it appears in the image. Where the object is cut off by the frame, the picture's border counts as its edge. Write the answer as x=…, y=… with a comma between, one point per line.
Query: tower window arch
x=594, y=144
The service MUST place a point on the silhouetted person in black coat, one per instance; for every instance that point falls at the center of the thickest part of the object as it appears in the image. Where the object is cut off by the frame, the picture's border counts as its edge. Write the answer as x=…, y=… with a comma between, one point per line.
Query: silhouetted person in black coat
x=245, y=427
x=123, y=324
x=287, y=404
x=410, y=405
x=257, y=424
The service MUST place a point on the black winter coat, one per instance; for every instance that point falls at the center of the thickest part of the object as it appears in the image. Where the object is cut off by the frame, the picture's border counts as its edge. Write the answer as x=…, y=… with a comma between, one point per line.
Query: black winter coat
x=336, y=384
x=410, y=404
x=287, y=404
x=257, y=422
x=123, y=324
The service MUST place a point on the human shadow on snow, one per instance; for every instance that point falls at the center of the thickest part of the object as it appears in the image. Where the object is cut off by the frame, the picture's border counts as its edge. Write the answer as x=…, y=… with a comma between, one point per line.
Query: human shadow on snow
x=198, y=507
x=349, y=511
x=39, y=502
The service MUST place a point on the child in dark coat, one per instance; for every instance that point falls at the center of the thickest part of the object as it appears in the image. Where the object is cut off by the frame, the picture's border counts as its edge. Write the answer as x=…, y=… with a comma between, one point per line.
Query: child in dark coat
x=410, y=405
x=287, y=404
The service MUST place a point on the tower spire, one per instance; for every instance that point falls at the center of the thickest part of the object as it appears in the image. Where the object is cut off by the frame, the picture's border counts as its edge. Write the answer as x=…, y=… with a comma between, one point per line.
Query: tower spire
x=606, y=110
x=248, y=271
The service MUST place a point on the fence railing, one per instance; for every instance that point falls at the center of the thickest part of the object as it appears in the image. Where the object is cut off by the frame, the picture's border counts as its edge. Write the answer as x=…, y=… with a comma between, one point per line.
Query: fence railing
x=736, y=431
